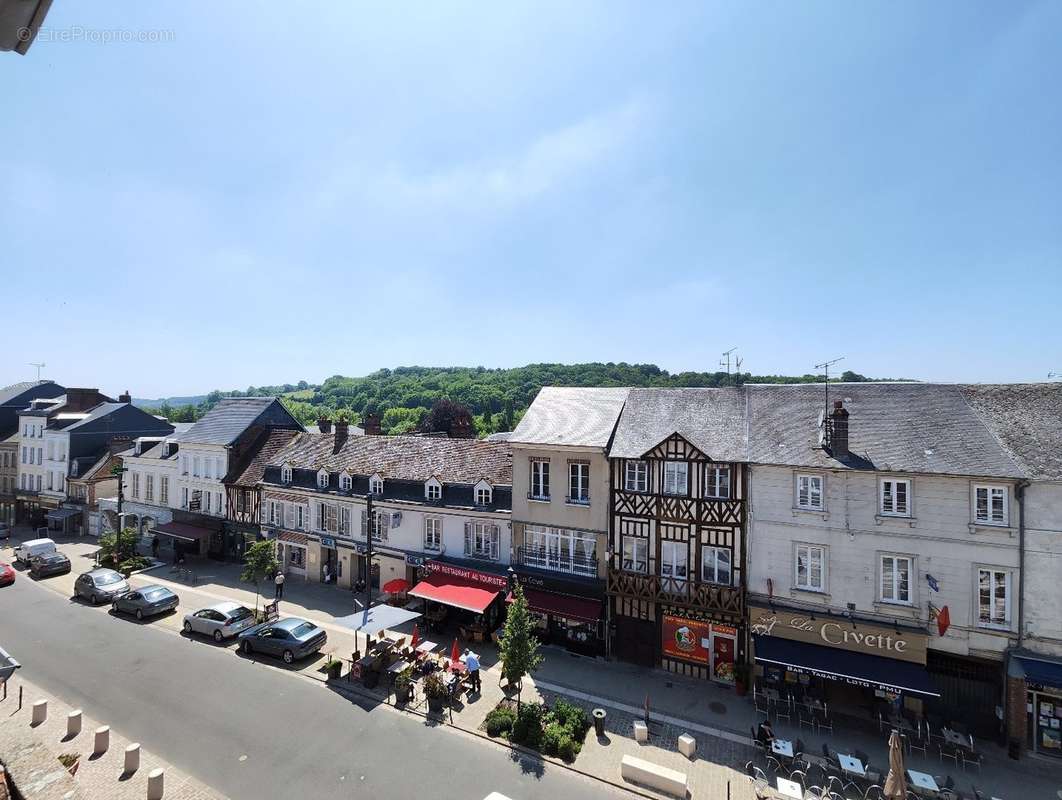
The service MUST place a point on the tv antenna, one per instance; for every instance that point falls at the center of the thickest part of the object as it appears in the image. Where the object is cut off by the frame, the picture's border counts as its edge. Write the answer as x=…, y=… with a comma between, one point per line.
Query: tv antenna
x=1051, y=375
x=39, y=367
x=726, y=363
x=825, y=365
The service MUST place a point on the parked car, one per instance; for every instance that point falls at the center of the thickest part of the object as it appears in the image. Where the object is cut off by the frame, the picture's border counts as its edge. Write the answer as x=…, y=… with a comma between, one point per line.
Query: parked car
x=146, y=602
x=27, y=551
x=7, y=574
x=100, y=585
x=50, y=564
x=221, y=620
x=290, y=638
x=5, y=530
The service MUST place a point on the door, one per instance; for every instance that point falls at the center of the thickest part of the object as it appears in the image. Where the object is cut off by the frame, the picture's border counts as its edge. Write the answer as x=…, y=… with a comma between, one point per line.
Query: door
x=722, y=653
x=636, y=641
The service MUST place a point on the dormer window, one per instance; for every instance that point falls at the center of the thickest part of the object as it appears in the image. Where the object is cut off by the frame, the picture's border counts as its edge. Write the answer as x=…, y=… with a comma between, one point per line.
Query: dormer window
x=322, y=479
x=345, y=481
x=285, y=473
x=484, y=493
x=376, y=484
x=433, y=490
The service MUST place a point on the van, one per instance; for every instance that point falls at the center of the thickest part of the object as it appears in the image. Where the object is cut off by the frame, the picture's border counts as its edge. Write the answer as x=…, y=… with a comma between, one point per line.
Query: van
x=33, y=548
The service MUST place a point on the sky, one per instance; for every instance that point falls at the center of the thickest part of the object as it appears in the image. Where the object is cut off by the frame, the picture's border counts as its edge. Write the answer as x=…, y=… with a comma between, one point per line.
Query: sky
x=195, y=196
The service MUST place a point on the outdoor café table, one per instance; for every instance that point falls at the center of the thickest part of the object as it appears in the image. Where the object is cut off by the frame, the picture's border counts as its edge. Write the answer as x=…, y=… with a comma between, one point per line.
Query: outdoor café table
x=426, y=647
x=853, y=766
x=782, y=747
x=923, y=782
x=398, y=666
x=790, y=788
x=956, y=738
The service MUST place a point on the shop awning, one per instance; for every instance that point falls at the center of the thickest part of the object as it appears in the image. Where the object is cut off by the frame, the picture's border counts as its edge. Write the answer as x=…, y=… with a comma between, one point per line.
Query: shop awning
x=186, y=533
x=396, y=586
x=374, y=619
x=845, y=665
x=59, y=514
x=1045, y=673
x=452, y=591
x=561, y=605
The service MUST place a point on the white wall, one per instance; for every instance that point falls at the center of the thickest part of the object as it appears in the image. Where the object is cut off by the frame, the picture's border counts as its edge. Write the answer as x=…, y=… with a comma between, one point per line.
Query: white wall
x=56, y=463
x=213, y=465
x=33, y=441
x=1043, y=567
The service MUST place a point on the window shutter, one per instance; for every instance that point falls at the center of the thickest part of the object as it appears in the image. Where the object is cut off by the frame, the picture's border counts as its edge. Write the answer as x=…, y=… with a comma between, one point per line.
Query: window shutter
x=468, y=538
x=495, y=535
x=290, y=509
x=364, y=523
x=385, y=523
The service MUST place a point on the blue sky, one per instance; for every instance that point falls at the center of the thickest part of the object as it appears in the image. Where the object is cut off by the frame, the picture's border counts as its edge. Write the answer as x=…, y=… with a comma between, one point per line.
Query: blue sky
x=332, y=188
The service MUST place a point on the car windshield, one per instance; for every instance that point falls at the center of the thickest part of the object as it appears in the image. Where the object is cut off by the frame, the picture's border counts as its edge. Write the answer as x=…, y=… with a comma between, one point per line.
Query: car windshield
x=155, y=594
x=239, y=614
x=302, y=629
x=107, y=580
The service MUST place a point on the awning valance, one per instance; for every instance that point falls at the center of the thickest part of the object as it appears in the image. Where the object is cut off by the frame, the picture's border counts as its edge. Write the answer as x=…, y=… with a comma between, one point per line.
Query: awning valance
x=186, y=533
x=562, y=605
x=860, y=669
x=452, y=591
x=1044, y=673
x=59, y=514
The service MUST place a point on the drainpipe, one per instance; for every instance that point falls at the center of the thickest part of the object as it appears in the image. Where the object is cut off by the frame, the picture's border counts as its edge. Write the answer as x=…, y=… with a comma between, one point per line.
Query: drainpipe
x=1019, y=494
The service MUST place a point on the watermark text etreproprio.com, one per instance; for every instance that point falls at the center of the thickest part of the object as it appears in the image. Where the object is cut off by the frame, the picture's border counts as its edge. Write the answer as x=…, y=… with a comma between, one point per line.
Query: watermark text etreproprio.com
x=77, y=33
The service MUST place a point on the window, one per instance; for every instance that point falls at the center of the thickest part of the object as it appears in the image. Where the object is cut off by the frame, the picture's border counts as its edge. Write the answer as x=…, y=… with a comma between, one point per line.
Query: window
x=676, y=477
x=715, y=565
x=809, y=492
x=895, y=497
x=636, y=476
x=993, y=598
x=149, y=488
x=376, y=485
x=40, y=455
x=673, y=562
x=51, y=451
x=539, y=479
x=38, y=482
x=717, y=482
x=990, y=505
x=195, y=466
x=273, y=513
x=895, y=579
x=206, y=502
x=207, y=473
x=184, y=497
x=322, y=479
x=381, y=520
x=481, y=540
x=345, y=481
x=184, y=465
x=635, y=555
x=560, y=550
x=135, y=492
x=432, y=533
x=483, y=495
x=164, y=490
x=51, y=480
x=217, y=468
x=285, y=473
x=241, y=501
x=300, y=517
x=579, y=482
x=810, y=568
x=432, y=490
x=327, y=517
x=344, y=520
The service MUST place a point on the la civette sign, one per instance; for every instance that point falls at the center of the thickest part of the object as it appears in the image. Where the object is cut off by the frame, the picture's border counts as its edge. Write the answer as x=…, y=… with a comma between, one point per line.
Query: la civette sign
x=863, y=637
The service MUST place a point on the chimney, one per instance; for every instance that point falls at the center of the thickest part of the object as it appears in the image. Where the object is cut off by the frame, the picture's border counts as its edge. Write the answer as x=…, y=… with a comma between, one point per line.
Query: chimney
x=461, y=429
x=372, y=425
x=324, y=425
x=83, y=399
x=839, y=430
x=342, y=431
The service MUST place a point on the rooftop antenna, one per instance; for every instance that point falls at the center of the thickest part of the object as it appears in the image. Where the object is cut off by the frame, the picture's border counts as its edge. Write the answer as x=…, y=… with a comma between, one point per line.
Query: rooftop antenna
x=825, y=365
x=39, y=367
x=1051, y=375
x=726, y=363
x=738, y=361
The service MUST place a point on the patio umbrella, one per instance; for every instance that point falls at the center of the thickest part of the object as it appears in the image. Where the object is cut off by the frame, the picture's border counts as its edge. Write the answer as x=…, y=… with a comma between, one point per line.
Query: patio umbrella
x=455, y=653
x=415, y=638
x=896, y=782
x=396, y=586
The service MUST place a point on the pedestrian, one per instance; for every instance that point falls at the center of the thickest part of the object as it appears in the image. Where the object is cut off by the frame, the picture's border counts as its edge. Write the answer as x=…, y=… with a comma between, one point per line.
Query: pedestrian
x=155, y=546
x=765, y=733
x=278, y=582
x=472, y=665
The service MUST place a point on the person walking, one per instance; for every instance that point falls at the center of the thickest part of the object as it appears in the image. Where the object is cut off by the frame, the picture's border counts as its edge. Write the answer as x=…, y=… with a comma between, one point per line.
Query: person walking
x=155, y=546
x=278, y=583
x=472, y=664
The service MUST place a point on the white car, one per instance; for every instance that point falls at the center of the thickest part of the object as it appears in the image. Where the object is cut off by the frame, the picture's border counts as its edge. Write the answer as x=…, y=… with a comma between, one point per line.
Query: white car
x=222, y=620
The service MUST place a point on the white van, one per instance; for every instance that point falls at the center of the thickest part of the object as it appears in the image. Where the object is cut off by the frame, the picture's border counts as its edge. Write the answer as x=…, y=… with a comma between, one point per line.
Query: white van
x=33, y=548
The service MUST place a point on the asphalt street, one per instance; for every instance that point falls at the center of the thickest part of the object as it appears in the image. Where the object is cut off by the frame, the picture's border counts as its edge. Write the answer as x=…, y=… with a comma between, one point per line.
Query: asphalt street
x=251, y=729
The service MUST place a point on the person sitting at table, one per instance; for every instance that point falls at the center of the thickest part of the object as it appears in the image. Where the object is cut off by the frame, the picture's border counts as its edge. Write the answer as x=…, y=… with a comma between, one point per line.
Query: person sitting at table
x=765, y=733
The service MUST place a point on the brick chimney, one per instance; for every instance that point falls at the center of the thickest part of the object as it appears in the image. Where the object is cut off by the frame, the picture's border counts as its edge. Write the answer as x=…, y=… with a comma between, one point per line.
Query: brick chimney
x=372, y=425
x=324, y=425
x=125, y=397
x=839, y=430
x=342, y=431
x=461, y=429
x=83, y=399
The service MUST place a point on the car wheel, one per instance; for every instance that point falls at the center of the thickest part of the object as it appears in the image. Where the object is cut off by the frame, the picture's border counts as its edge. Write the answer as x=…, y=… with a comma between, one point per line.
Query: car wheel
x=245, y=647
x=139, y=614
x=94, y=600
x=188, y=627
x=218, y=637
x=289, y=657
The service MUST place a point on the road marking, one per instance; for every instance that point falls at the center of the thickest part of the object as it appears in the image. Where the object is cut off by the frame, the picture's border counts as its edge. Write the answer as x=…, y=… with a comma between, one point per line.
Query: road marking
x=243, y=757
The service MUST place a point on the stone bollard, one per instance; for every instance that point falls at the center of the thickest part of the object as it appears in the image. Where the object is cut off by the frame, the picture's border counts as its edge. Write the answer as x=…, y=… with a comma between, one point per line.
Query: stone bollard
x=40, y=712
x=132, y=758
x=103, y=739
x=73, y=723
x=155, y=784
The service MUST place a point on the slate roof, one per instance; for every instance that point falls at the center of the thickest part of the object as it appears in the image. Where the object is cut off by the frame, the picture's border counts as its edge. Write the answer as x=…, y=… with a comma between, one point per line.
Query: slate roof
x=414, y=458
x=264, y=449
x=1026, y=418
x=712, y=420
x=574, y=416
x=16, y=390
x=94, y=413
x=226, y=421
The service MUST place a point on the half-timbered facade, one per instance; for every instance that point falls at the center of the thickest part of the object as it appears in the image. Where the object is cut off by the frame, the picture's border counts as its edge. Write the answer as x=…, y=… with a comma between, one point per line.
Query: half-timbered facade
x=679, y=489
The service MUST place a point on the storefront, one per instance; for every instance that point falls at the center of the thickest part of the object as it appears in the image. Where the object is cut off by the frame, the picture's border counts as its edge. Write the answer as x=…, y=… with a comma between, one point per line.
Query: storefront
x=858, y=667
x=708, y=644
x=182, y=539
x=64, y=521
x=465, y=596
x=568, y=612
x=1043, y=702
x=292, y=552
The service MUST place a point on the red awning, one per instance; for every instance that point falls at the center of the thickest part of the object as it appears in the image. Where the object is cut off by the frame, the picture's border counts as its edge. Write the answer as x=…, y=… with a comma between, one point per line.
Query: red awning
x=451, y=591
x=396, y=586
x=178, y=530
x=562, y=605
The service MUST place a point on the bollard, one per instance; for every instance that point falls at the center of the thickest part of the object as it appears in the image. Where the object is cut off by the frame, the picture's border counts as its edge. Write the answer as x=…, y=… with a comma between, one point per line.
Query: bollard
x=73, y=723
x=103, y=739
x=155, y=784
x=40, y=712
x=132, y=758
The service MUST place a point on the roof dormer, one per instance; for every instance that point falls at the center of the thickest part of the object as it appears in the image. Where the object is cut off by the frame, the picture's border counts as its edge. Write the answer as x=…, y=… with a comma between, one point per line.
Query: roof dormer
x=285, y=473
x=322, y=478
x=376, y=483
x=433, y=489
x=346, y=482
x=483, y=492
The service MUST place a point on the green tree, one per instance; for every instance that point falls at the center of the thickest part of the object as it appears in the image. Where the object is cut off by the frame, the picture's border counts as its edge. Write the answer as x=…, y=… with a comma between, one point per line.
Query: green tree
x=260, y=562
x=116, y=547
x=518, y=649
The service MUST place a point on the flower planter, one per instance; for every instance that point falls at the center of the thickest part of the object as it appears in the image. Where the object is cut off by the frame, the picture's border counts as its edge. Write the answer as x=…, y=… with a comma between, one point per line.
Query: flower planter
x=335, y=669
x=435, y=705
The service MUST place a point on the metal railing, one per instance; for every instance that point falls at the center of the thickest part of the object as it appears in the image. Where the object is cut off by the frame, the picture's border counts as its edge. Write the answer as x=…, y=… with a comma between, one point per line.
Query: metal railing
x=556, y=561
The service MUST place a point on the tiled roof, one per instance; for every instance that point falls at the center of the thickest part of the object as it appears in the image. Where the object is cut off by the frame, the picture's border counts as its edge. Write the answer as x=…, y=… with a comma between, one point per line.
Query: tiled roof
x=252, y=467
x=402, y=457
x=712, y=420
x=1026, y=418
x=226, y=421
x=574, y=416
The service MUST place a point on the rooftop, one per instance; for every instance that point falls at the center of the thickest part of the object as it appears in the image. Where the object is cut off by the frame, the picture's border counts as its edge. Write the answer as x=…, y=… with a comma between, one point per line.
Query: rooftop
x=712, y=420
x=227, y=421
x=572, y=416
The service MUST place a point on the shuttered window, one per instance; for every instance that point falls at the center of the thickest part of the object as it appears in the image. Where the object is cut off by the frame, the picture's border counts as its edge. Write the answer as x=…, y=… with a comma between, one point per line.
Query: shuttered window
x=481, y=540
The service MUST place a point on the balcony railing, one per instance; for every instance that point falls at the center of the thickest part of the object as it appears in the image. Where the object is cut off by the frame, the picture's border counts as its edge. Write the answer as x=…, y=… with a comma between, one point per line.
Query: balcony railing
x=627, y=580
x=577, y=500
x=555, y=561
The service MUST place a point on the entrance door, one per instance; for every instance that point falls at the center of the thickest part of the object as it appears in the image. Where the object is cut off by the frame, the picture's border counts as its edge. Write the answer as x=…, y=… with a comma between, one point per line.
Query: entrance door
x=722, y=653
x=636, y=641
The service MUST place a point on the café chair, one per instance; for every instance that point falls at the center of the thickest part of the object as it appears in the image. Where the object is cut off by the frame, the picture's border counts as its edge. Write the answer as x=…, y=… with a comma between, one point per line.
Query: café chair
x=823, y=722
x=814, y=793
x=758, y=743
x=800, y=748
x=972, y=759
x=774, y=765
x=805, y=716
x=761, y=787
x=799, y=777
x=946, y=750
x=874, y=792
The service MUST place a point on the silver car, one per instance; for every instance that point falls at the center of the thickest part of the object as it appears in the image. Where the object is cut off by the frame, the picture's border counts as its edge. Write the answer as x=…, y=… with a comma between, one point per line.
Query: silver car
x=100, y=585
x=146, y=601
x=222, y=620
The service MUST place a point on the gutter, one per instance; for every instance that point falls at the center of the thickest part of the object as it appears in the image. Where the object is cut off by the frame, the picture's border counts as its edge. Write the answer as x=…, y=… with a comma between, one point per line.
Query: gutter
x=1019, y=494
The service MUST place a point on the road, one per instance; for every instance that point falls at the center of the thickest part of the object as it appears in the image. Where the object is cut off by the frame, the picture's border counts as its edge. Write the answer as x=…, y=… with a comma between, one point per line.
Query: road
x=250, y=729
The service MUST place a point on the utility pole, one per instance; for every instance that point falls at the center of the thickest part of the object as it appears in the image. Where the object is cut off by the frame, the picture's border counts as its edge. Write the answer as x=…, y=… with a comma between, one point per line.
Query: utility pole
x=370, y=527
x=118, y=471
x=726, y=355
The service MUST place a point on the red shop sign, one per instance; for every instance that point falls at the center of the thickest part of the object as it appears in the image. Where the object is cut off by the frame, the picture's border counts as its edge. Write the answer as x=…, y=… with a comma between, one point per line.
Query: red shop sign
x=685, y=638
x=499, y=582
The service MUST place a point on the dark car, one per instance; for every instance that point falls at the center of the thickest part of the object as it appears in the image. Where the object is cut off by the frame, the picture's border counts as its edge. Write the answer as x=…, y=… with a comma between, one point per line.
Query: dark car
x=291, y=639
x=100, y=585
x=7, y=574
x=146, y=602
x=51, y=564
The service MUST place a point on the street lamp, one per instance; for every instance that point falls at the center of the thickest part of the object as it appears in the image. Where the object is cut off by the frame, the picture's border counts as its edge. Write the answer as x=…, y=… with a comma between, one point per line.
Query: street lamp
x=117, y=471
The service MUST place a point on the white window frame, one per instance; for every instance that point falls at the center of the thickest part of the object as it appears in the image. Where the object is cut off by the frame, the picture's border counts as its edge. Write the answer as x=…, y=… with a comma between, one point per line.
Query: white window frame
x=990, y=492
x=376, y=485
x=149, y=488
x=717, y=482
x=322, y=479
x=806, y=492
x=345, y=481
x=671, y=567
x=809, y=551
x=672, y=470
x=539, y=475
x=433, y=490
x=134, y=491
x=579, y=482
x=482, y=543
x=433, y=533
x=300, y=516
x=195, y=466
x=888, y=497
x=889, y=569
x=484, y=496
x=1008, y=592
x=285, y=474
x=710, y=561
x=164, y=490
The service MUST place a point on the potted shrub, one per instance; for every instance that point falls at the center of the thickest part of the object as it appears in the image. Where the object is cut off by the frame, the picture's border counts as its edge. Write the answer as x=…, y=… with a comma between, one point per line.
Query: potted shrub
x=741, y=679
x=404, y=686
x=435, y=691
x=334, y=667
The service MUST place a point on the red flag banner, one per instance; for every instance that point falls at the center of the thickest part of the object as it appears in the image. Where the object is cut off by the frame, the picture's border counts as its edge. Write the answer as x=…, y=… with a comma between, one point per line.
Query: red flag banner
x=943, y=621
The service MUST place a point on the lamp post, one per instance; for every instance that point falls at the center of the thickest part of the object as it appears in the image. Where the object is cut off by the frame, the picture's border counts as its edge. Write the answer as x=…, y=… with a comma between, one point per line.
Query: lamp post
x=370, y=524
x=117, y=471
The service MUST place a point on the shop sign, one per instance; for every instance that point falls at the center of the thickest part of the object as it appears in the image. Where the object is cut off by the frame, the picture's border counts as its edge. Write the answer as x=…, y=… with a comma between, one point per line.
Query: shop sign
x=843, y=634
x=685, y=638
x=360, y=549
x=414, y=560
x=499, y=582
x=329, y=542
